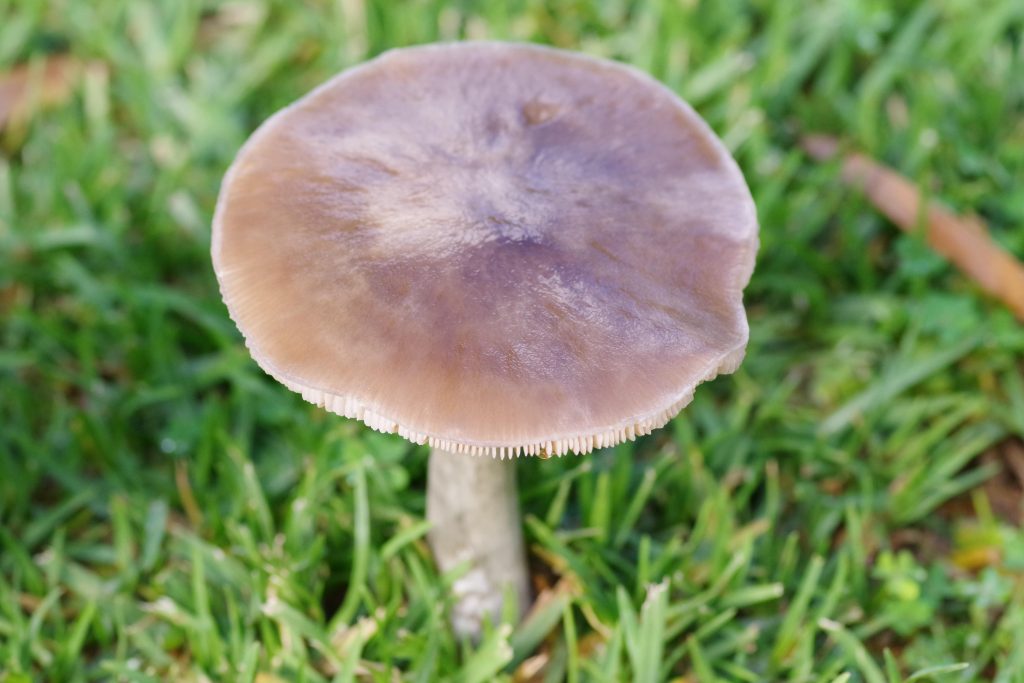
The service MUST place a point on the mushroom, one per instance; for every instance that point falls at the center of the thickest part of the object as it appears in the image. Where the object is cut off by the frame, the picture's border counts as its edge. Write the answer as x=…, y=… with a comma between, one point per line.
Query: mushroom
x=495, y=249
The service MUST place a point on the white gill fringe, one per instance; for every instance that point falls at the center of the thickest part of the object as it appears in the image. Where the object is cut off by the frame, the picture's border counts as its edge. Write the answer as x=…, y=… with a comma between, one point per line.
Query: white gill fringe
x=579, y=444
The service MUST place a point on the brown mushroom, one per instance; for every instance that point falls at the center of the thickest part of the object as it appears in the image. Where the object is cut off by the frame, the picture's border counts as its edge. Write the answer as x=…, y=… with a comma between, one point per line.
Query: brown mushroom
x=494, y=249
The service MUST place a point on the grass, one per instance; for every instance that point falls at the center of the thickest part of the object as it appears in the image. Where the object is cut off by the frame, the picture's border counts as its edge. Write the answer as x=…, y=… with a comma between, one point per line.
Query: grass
x=841, y=509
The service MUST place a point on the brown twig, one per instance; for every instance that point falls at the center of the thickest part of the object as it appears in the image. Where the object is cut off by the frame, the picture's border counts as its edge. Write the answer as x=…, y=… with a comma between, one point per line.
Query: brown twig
x=964, y=240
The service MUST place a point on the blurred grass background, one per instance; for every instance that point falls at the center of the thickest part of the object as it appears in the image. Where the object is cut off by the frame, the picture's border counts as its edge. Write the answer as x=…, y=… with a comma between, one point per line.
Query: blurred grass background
x=847, y=507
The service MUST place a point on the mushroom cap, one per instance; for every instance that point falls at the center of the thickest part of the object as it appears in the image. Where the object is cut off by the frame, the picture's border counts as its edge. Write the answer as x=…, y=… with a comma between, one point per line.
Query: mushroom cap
x=492, y=248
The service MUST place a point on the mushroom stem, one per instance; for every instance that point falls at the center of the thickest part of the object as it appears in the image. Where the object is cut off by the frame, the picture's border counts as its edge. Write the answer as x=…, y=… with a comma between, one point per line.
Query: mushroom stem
x=474, y=508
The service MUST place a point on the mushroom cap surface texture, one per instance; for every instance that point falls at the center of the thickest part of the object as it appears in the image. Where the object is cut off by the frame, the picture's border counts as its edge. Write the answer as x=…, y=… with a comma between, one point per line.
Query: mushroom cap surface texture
x=492, y=248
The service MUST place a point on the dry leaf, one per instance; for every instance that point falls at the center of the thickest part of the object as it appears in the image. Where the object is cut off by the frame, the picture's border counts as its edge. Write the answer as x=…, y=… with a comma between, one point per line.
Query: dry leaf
x=27, y=88
x=964, y=240
x=976, y=559
x=532, y=669
x=1004, y=490
x=188, y=500
x=345, y=638
x=265, y=677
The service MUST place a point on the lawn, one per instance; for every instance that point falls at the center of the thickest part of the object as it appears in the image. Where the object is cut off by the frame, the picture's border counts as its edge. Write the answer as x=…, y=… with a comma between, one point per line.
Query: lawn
x=846, y=507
